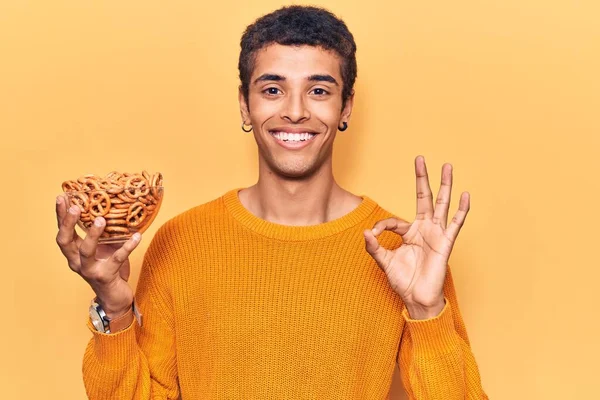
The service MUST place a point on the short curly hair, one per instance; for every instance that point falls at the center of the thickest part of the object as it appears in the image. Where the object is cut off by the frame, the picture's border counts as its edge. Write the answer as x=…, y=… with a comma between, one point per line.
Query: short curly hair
x=295, y=26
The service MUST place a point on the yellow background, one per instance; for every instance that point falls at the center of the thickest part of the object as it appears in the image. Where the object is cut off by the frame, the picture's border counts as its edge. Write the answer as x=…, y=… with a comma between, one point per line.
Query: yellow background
x=505, y=90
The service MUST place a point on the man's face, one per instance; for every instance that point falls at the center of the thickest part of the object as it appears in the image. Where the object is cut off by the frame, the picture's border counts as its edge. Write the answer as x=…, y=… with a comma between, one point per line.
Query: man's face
x=295, y=107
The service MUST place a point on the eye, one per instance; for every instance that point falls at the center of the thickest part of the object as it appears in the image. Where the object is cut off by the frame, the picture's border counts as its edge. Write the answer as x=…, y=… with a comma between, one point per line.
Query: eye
x=320, y=91
x=272, y=91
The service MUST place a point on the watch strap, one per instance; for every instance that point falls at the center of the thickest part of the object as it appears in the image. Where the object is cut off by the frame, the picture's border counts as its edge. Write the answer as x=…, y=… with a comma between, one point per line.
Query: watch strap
x=121, y=322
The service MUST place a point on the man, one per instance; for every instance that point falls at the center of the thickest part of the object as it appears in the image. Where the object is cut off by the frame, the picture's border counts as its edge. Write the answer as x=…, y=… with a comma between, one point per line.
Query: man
x=267, y=291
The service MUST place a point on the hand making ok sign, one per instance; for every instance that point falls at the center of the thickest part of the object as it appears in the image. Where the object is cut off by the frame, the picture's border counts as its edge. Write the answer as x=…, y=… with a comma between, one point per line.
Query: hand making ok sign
x=417, y=269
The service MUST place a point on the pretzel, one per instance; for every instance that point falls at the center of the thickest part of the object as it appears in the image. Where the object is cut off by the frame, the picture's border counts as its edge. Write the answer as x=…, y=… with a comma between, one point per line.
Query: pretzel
x=71, y=186
x=127, y=201
x=81, y=200
x=116, y=213
x=155, y=183
x=89, y=184
x=111, y=186
x=137, y=214
x=116, y=229
x=137, y=186
x=115, y=221
x=99, y=203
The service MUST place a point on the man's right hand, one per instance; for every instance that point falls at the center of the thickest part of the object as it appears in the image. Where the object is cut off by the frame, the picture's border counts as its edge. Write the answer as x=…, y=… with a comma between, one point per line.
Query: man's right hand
x=105, y=267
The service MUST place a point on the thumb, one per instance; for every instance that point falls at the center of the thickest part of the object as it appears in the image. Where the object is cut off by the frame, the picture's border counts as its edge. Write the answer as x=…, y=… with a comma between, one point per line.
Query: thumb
x=374, y=248
x=121, y=256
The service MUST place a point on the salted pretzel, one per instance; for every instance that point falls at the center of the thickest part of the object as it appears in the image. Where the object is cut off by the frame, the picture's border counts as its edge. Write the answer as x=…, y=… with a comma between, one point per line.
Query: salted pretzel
x=127, y=201
x=71, y=186
x=137, y=214
x=99, y=203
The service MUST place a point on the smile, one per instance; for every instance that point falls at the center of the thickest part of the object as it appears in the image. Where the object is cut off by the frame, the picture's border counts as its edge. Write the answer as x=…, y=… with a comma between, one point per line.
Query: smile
x=293, y=140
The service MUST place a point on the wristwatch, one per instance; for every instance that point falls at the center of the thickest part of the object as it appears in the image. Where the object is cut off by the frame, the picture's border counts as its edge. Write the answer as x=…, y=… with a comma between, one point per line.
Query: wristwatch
x=104, y=324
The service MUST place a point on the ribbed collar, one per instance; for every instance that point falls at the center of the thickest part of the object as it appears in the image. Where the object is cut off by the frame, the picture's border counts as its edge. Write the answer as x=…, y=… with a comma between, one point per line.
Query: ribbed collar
x=291, y=232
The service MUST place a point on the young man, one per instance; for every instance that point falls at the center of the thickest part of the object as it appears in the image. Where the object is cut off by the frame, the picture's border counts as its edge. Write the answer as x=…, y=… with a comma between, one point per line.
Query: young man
x=292, y=288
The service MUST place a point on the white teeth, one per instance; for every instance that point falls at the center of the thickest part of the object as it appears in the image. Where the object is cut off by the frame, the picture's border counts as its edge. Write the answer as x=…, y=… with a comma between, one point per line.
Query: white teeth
x=293, y=137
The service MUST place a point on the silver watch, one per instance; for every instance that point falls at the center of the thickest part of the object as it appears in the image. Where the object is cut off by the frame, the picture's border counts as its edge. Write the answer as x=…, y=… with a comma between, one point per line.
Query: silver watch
x=99, y=318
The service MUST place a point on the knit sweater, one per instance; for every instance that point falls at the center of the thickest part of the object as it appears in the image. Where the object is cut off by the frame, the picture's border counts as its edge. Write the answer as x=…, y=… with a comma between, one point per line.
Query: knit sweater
x=237, y=307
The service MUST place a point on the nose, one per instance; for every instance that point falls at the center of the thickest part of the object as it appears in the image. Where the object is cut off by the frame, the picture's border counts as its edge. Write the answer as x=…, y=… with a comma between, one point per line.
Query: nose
x=294, y=109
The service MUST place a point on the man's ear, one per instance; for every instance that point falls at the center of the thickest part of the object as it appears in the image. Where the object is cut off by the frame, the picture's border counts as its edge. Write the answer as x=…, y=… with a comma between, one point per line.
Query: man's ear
x=347, y=111
x=244, y=109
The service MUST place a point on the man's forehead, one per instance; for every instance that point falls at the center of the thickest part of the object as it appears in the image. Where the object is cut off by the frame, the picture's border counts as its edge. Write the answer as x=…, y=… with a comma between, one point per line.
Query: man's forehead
x=296, y=62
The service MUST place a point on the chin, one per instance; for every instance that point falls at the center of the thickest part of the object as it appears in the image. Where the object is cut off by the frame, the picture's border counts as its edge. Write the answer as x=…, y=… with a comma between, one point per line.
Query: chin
x=294, y=169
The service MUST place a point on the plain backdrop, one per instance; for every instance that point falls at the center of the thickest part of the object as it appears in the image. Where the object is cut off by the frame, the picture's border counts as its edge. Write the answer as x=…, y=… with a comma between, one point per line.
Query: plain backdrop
x=507, y=91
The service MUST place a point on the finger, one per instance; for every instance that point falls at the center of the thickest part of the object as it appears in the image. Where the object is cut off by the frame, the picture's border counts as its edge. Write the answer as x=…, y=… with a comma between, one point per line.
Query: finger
x=66, y=233
x=63, y=217
x=459, y=218
x=424, y=195
x=391, y=224
x=375, y=249
x=87, y=250
x=114, y=263
x=442, y=203
x=61, y=209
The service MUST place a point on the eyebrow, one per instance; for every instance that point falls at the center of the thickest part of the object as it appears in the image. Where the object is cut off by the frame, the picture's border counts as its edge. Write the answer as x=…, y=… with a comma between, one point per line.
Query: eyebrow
x=312, y=78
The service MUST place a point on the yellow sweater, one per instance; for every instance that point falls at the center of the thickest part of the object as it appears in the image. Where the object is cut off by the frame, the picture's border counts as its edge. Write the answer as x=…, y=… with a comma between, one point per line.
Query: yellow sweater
x=236, y=307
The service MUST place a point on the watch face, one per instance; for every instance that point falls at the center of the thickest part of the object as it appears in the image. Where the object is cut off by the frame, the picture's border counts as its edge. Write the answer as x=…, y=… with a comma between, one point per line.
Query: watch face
x=96, y=319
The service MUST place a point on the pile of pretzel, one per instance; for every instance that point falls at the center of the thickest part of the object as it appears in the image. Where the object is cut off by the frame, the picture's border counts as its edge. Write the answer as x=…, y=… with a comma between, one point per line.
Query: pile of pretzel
x=126, y=201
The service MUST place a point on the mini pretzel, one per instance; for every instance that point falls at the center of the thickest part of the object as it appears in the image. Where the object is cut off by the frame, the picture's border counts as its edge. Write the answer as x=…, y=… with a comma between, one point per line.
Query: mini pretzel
x=155, y=183
x=117, y=200
x=80, y=199
x=82, y=179
x=111, y=216
x=123, y=197
x=114, y=175
x=111, y=186
x=137, y=186
x=116, y=229
x=117, y=212
x=89, y=184
x=99, y=203
x=137, y=214
x=145, y=199
x=113, y=221
x=71, y=186
x=152, y=198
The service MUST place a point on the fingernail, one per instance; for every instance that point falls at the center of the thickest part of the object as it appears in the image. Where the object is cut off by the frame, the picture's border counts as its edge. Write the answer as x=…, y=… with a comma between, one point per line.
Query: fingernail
x=58, y=199
x=374, y=230
x=73, y=210
x=136, y=237
x=99, y=221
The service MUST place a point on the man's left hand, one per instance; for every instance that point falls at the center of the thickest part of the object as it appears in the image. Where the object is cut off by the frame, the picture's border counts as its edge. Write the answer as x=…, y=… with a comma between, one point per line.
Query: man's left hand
x=417, y=269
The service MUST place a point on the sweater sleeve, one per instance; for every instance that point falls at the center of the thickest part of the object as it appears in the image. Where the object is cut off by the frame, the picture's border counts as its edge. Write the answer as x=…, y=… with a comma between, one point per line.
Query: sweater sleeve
x=435, y=358
x=138, y=363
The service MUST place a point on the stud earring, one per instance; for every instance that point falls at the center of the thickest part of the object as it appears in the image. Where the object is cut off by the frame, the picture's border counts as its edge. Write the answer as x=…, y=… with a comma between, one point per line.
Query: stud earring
x=344, y=127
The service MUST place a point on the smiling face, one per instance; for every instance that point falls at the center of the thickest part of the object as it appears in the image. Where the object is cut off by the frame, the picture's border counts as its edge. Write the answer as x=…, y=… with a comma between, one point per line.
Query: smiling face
x=295, y=108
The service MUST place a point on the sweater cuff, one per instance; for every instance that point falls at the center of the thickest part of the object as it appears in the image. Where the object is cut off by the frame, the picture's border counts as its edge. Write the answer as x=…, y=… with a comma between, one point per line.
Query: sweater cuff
x=433, y=336
x=115, y=350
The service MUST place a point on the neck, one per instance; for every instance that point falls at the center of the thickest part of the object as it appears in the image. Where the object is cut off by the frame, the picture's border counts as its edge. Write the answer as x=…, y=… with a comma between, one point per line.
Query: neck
x=314, y=200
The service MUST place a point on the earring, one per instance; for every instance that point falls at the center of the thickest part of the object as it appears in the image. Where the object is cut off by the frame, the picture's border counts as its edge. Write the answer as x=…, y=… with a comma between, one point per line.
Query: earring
x=344, y=127
x=246, y=130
